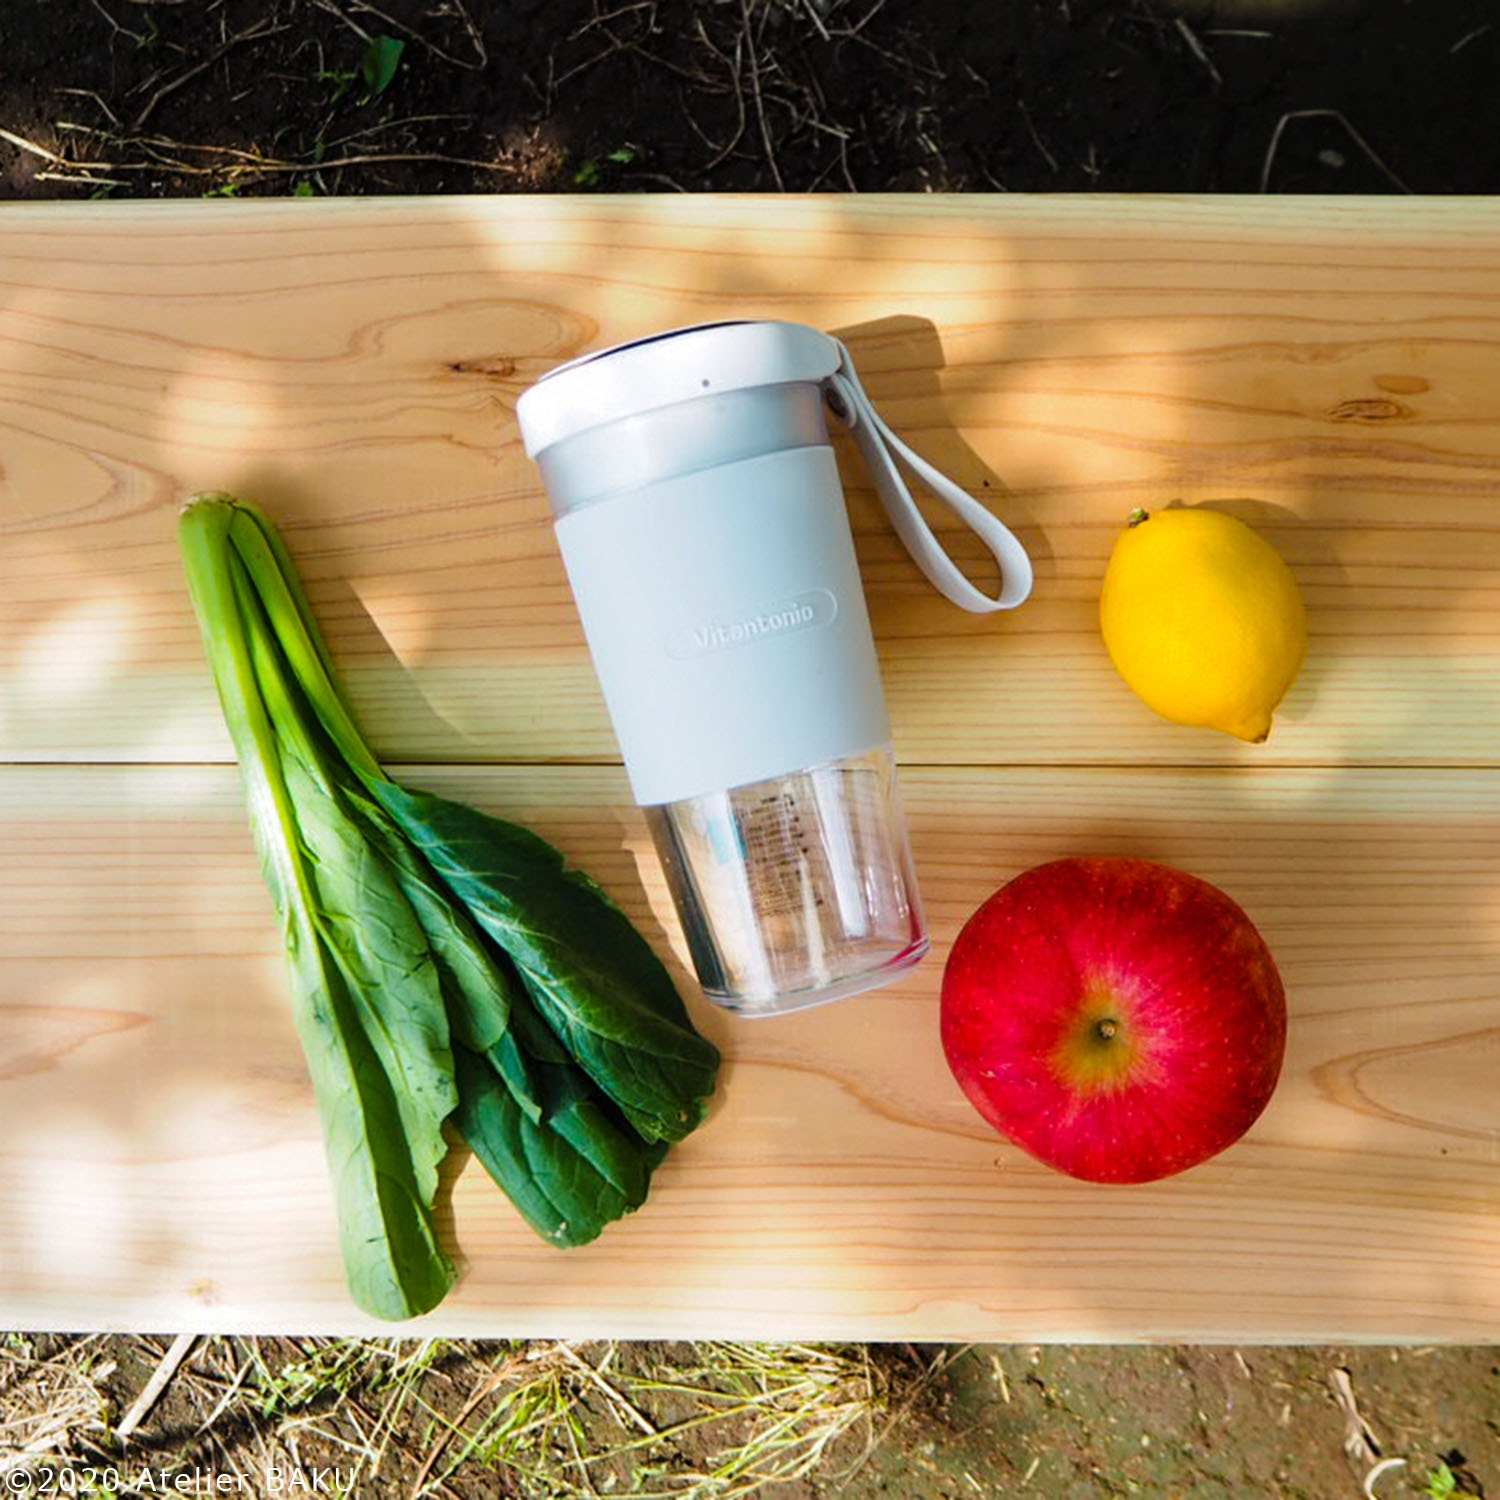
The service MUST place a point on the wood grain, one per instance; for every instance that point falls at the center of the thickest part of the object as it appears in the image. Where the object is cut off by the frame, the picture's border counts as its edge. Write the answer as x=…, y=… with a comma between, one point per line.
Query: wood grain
x=161, y=1162
x=1324, y=368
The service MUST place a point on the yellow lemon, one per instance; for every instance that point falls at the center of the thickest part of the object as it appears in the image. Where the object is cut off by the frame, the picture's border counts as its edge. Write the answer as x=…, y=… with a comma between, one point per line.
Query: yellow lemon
x=1203, y=619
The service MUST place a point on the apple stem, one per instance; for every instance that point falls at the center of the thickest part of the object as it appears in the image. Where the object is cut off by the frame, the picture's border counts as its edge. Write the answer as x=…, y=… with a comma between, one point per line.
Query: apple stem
x=1106, y=1029
x=1139, y=514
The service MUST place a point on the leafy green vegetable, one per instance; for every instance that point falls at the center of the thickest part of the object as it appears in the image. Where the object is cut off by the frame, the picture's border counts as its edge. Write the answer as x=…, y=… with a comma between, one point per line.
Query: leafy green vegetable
x=446, y=964
x=591, y=973
x=384, y=1181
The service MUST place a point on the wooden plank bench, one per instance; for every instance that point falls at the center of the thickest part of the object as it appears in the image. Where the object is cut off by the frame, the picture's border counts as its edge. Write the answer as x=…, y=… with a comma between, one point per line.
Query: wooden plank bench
x=353, y=365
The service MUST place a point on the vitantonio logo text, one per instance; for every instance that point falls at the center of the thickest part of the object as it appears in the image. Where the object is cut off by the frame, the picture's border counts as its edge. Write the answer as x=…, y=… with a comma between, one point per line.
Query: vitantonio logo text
x=816, y=607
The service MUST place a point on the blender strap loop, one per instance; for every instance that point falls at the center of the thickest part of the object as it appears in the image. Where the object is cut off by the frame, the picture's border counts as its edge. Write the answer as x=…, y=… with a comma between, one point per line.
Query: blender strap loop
x=880, y=448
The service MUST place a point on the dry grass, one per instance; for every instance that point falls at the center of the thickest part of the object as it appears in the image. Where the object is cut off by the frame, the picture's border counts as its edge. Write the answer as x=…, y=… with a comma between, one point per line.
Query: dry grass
x=418, y=1418
x=52, y=1404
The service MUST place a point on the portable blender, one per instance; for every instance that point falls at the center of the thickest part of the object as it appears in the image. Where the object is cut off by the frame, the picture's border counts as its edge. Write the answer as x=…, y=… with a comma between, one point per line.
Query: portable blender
x=702, y=523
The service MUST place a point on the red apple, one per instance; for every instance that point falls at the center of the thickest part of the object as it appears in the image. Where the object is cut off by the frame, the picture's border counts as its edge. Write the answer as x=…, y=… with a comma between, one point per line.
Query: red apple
x=1118, y=1019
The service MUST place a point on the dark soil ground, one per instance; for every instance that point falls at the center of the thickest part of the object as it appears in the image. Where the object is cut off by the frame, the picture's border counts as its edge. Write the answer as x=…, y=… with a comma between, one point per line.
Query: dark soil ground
x=186, y=97
x=156, y=98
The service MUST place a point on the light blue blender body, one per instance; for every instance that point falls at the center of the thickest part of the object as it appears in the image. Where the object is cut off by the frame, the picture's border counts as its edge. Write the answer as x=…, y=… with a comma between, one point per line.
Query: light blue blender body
x=702, y=523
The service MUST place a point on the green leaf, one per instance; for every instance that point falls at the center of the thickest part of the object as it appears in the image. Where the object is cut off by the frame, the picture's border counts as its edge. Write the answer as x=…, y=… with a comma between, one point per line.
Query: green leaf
x=594, y=978
x=569, y=1170
x=393, y=1263
x=378, y=65
x=480, y=987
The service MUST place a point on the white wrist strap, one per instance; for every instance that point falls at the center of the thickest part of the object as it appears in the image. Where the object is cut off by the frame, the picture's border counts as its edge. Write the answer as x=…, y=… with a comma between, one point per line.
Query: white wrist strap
x=880, y=447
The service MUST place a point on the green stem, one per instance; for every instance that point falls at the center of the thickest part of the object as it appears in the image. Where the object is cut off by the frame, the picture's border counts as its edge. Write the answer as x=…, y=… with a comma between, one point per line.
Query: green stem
x=202, y=534
x=274, y=577
x=293, y=720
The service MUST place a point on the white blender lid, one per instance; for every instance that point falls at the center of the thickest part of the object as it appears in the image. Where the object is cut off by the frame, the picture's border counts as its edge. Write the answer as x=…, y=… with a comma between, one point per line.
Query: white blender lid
x=710, y=358
x=665, y=368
